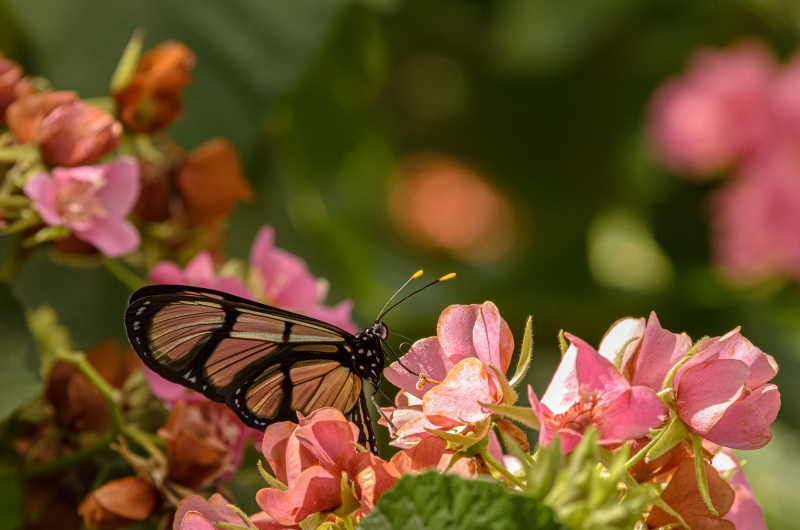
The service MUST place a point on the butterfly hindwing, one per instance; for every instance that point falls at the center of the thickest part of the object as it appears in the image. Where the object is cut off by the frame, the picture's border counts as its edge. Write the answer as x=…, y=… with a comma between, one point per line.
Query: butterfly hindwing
x=264, y=362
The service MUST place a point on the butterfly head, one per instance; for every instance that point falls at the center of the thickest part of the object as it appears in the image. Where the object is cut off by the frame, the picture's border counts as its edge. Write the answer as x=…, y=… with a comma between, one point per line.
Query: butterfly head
x=380, y=330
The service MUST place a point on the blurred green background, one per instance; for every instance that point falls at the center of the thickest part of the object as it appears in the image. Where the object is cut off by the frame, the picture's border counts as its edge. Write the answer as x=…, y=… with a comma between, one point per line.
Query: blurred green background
x=545, y=100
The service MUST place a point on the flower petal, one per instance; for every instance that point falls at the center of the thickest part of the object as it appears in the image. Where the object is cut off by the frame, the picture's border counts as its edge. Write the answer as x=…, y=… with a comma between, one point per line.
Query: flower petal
x=121, y=191
x=707, y=390
x=330, y=441
x=166, y=272
x=768, y=400
x=492, y=338
x=274, y=445
x=632, y=415
x=372, y=476
x=659, y=352
x=42, y=190
x=734, y=346
x=113, y=236
x=455, y=401
x=315, y=490
x=194, y=521
x=200, y=270
x=427, y=357
x=455, y=329
x=427, y=453
x=622, y=341
x=743, y=426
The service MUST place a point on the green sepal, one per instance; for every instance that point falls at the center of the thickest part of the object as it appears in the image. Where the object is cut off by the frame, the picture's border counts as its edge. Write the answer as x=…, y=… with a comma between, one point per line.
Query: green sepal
x=700, y=471
x=128, y=62
x=523, y=415
x=509, y=394
x=349, y=500
x=525, y=354
x=562, y=342
x=674, y=434
x=272, y=481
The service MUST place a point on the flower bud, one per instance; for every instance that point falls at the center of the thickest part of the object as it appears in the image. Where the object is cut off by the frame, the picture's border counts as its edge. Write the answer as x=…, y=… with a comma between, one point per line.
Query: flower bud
x=153, y=98
x=118, y=503
x=77, y=134
x=10, y=74
x=26, y=113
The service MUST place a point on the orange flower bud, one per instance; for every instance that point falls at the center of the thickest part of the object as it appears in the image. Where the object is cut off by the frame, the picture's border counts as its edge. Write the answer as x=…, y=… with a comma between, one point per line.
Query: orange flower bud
x=26, y=113
x=211, y=182
x=77, y=134
x=153, y=98
x=79, y=405
x=10, y=74
x=118, y=503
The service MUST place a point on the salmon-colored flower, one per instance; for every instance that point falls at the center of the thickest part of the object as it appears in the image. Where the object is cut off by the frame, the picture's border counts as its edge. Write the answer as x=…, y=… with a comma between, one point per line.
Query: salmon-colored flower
x=92, y=201
x=282, y=279
x=311, y=457
x=745, y=512
x=153, y=99
x=119, y=503
x=26, y=114
x=76, y=134
x=211, y=182
x=683, y=495
x=10, y=74
x=196, y=513
x=587, y=390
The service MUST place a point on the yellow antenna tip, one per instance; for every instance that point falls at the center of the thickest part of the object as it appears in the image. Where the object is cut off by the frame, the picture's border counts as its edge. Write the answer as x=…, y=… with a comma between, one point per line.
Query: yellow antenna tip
x=416, y=275
x=447, y=277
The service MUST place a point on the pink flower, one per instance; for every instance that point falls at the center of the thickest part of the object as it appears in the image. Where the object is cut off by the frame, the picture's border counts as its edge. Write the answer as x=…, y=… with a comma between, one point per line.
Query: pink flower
x=282, y=279
x=722, y=392
x=756, y=220
x=718, y=112
x=200, y=273
x=196, y=513
x=587, y=390
x=310, y=458
x=92, y=201
x=745, y=512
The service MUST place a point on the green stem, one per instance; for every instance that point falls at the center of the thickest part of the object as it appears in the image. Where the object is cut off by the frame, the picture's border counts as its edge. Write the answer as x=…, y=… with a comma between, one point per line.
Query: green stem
x=638, y=456
x=13, y=260
x=348, y=523
x=21, y=225
x=700, y=471
x=14, y=201
x=98, y=446
x=230, y=526
x=501, y=469
x=124, y=274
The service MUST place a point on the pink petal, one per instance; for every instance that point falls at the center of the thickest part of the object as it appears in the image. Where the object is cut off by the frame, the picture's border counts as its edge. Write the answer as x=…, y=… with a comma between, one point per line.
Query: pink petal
x=264, y=522
x=200, y=270
x=632, y=415
x=315, y=490
x=234, y=286
x=492, y=338
x=455, y=329
x=734, y=346
x=494, y=447
x=743, y=426
x=768, y=399
x=113, y=236
x=197, y=505
x=625, y=334
x=274, y=445
x=569, y=440
x=330, y=441
x=413, y=431
x=338, y=315
x=286, y=280
x=745, y=512
x=194, y=521
x=168, y=392
x=660, y=350
x=121, y=191
x=263, y=244
x=427, y=453
x=707, y=390
x=42, y=190
x=455, y=401
x=371, y=476
x=427, y=357
x=166, y=272
x=220, y=504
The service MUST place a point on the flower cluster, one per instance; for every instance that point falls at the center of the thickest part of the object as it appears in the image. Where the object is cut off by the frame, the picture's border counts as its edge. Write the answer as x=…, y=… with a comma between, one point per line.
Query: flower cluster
x=737, y=110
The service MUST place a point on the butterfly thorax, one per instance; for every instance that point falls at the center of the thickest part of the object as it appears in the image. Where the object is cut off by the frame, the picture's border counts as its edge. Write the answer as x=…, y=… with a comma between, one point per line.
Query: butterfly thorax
x=367, y=356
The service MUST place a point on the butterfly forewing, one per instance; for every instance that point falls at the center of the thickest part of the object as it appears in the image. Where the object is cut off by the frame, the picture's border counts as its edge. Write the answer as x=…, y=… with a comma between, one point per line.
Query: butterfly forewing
x=265, y=363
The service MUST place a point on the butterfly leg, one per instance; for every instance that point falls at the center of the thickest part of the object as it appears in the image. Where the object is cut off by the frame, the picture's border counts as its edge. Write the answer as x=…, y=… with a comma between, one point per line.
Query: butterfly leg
x=392, y=428
x=397, y=358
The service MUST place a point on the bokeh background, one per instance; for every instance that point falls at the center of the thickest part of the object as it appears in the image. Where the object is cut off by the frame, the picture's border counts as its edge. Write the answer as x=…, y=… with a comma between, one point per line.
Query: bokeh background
x=501, y=140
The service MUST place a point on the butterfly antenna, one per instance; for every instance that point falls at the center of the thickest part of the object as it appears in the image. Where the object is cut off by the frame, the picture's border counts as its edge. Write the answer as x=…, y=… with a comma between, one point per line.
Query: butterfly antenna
x=413, y=277
x=442, y=279
x=397, y=358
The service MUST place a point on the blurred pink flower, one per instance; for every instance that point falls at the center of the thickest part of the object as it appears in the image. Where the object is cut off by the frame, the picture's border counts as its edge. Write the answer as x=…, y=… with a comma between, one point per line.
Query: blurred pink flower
x=745, y=512
x=281, y=279
x=587, y=390
x=310, y=458
x=469, y=337
x=200, y=273
x=717, y=112
x=722, y=392
x=196, y=513
x=756, y=220
x=92, y=201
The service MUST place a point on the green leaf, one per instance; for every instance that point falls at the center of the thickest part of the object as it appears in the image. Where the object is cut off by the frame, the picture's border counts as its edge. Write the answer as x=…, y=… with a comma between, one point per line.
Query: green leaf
x=442, y=502
x=700, y=470
x=674, y=434
x=128, y=62
x=525, y=353
x=20, y=379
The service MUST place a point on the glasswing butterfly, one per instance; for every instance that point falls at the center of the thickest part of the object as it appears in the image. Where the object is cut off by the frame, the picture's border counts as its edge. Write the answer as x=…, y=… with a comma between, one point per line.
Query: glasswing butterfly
x=265, y=363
